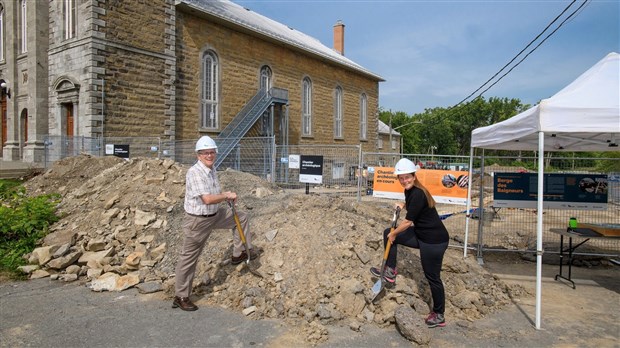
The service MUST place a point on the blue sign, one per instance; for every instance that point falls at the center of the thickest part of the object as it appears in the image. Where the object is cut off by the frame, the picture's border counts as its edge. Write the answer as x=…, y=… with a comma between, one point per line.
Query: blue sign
x=560, y=191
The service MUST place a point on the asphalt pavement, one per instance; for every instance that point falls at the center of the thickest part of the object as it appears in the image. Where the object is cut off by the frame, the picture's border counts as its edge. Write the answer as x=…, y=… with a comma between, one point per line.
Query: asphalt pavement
x=46, y=313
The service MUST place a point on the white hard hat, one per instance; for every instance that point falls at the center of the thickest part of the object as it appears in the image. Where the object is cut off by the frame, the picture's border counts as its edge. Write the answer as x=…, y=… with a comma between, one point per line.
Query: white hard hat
x=205, y=143
x=404, y=166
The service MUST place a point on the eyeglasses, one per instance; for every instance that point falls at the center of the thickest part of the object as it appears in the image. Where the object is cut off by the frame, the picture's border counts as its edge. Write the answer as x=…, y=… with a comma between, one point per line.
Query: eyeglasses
x=207, y=153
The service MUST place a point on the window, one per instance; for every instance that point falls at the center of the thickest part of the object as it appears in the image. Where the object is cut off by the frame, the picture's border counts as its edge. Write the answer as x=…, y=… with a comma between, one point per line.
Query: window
x=338, y=113
x=1, y=33
x=209, y=93
x=363, y=117
x=68, y=13
x=379, y=143
x=265, y=78
x=306, y=107
x=23, y=28
x=338, y=170
x=394, y=144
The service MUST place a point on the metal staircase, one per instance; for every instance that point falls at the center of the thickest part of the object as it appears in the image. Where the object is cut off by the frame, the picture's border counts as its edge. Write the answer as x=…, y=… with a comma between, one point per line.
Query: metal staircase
x=230, y=136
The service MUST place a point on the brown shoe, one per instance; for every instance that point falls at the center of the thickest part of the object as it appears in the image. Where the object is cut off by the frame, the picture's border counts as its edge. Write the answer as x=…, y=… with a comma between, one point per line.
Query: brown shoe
x=235, y=260
x=184, y=303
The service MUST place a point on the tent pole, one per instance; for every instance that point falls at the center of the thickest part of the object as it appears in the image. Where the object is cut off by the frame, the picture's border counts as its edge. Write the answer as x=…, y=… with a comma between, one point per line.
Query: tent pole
x=481, y=211
x=539, y=224
x=468, y=206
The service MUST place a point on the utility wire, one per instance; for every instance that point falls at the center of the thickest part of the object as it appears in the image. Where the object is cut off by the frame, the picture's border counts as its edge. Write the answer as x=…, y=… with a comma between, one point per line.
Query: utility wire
x=545, y=39
x=525, y=48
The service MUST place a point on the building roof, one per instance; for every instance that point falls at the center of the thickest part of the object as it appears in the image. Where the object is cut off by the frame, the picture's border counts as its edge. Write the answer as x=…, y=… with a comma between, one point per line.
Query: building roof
x=385, y=129
x=249, y=20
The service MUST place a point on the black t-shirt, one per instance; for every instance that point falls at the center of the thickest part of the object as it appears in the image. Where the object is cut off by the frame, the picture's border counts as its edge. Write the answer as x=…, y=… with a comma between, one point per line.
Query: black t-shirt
x=426, y=222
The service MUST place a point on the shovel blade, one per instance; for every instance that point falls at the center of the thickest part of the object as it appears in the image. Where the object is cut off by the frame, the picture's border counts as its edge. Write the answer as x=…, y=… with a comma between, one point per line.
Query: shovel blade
x=376, y=289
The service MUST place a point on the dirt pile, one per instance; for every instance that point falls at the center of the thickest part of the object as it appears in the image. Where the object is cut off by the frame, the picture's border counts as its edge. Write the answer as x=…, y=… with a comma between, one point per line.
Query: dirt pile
x=121, y=227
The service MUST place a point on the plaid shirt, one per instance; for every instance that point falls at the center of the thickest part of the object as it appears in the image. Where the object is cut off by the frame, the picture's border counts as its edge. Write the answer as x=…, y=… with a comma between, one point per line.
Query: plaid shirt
x=200, y=180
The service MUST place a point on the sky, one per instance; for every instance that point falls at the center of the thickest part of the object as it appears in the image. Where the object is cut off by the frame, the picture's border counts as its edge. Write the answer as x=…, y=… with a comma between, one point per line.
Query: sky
x=437, y=53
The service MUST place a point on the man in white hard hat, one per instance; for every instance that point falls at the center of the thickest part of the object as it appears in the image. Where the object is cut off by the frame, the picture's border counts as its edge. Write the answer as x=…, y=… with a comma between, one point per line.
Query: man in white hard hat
x=203, y=214
x=421, y=229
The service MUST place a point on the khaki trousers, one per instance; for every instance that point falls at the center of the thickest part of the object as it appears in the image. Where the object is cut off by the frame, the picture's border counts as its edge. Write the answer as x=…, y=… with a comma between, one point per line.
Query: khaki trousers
x=196, y=230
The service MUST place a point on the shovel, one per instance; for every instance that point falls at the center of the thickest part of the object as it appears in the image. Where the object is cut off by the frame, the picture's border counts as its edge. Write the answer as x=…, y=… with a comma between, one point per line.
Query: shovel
x=376, y=289
x=243, y=240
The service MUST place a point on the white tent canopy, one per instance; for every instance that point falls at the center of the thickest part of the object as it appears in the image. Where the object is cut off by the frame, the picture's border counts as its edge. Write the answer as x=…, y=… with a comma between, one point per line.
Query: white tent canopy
x=583, y=116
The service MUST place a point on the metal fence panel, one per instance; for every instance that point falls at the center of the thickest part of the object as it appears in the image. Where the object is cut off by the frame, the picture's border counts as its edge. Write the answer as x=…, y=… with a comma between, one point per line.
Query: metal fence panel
x=340, y=163
x=515, y=228
x=347, y=172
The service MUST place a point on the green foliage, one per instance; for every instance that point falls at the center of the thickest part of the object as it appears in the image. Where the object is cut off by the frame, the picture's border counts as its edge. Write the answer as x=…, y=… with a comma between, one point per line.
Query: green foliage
x=609, y=165
x=23, y=222
x=448, y=131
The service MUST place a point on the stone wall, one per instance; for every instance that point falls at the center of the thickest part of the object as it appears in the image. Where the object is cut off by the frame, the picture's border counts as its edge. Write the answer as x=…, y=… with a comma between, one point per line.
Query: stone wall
x=241, y=57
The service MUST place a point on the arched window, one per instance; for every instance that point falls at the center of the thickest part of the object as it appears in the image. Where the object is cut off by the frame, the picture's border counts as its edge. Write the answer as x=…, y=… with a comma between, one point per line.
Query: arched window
x=265, y=78
x=338, y=113
x=363, y=117
x=306, y=107
x=69, y=18
x=209, y=99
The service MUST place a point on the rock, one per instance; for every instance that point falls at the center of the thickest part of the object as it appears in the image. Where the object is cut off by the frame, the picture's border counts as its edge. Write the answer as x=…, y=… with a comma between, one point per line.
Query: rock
x=155, y=179
x=113, y=282
x=146, y=239
x=107, y=282
x=111, y=201
x=158, y=253
x=98, y=256
x=133, y=259
x=411, y=326
x=262, y=192
x=362, y=254
x=63, y=262
x=465, y=299
x=93, y=273
x=271, y=235
x=28, y=269
x=73, y=269
x=60, y=237
x=95, y=245
x=62, y=250
x=43, y=255
x=39, y=274
x=143, y=218
x=355, y=326
x=249, y=310
x=150, y=287
x=68, y=277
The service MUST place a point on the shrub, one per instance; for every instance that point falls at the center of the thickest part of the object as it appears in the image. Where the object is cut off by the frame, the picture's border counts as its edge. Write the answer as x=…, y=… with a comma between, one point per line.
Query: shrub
x=23, y=222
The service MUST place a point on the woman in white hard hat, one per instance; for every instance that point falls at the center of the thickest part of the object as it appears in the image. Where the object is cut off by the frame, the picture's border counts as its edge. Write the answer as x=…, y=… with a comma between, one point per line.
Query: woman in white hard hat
x=203, y=213
x=421, y=229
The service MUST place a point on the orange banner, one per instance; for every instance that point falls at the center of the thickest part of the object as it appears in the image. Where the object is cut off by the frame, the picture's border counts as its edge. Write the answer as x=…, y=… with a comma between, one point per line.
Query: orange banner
x=446, y=186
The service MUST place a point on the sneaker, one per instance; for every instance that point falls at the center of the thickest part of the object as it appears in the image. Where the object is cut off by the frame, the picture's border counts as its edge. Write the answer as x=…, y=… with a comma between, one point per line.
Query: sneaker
x=235, y=260
x=435, y=319
x=390, y=273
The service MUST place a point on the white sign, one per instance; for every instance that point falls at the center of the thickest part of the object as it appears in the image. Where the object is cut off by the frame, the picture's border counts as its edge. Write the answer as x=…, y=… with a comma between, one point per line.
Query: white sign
x=293, y=161
x=109, y=149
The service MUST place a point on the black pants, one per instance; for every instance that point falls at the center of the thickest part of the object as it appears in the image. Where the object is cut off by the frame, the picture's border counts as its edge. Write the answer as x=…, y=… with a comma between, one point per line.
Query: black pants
x=431, y=256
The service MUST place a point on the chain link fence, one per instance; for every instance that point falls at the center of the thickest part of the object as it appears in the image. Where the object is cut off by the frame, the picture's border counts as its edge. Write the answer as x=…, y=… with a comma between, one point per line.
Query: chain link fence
x=513, y=228
x=349, y=172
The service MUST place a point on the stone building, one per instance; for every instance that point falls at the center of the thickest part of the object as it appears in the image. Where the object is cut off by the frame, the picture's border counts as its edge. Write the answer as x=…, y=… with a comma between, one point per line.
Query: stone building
x=175, y=70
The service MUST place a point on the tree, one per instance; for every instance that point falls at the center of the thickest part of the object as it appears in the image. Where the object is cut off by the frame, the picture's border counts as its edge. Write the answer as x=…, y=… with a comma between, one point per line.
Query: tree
x=448, y=130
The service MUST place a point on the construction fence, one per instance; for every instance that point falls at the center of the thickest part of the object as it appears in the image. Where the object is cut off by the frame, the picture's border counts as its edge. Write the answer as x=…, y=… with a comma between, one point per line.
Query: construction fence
x=348, y=172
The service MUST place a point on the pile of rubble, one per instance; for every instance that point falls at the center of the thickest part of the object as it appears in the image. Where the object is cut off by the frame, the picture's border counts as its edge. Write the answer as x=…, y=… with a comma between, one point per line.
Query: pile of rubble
x=121, y=228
